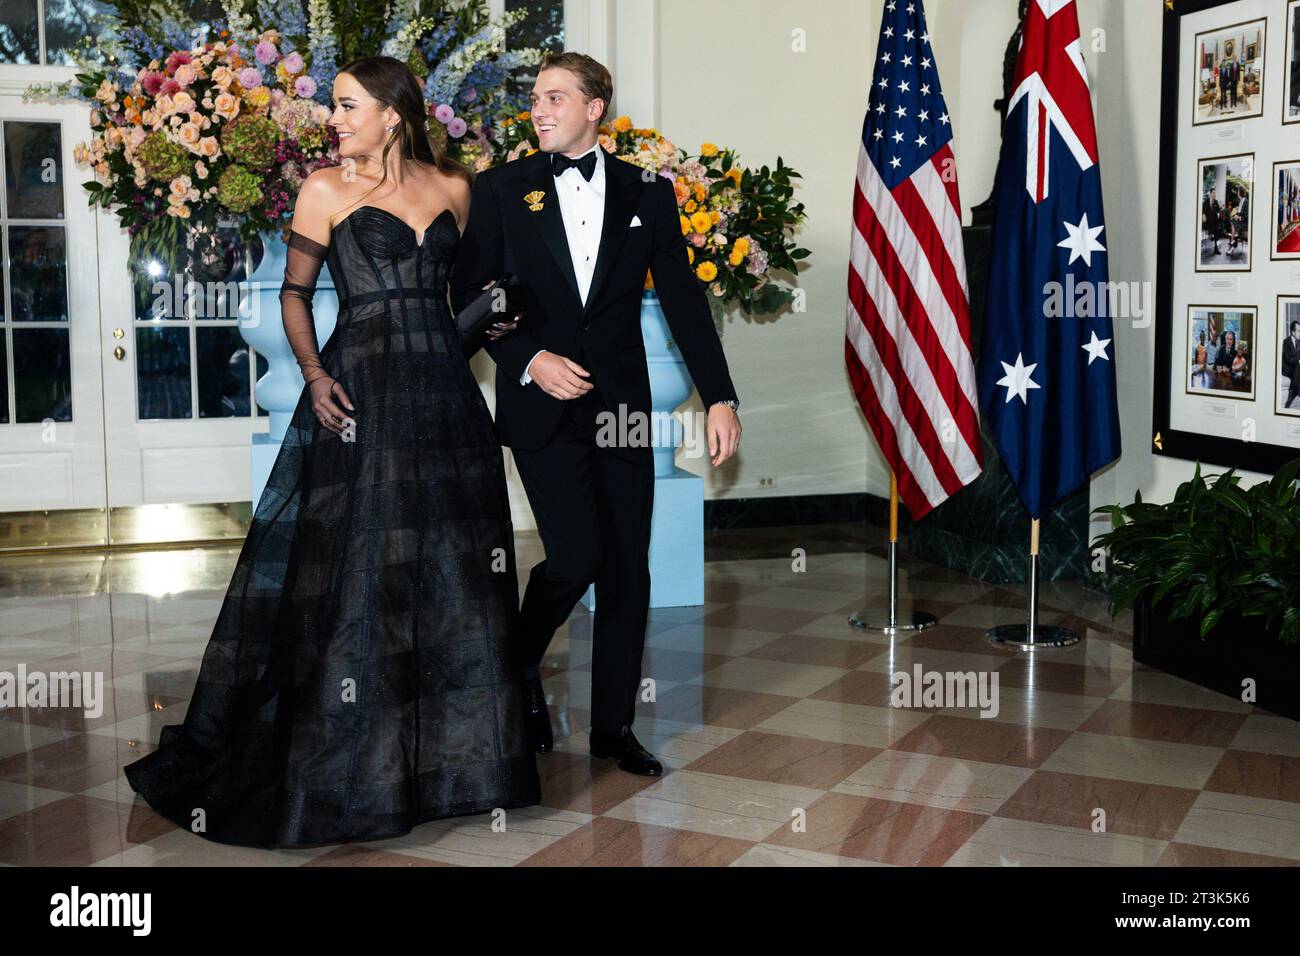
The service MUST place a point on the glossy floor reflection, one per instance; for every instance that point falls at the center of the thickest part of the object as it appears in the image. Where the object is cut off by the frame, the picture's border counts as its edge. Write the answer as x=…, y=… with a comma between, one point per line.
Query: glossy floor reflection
x=772, y=717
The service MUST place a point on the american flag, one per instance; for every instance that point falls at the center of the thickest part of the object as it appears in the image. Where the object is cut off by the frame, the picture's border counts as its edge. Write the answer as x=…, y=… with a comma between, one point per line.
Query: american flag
x=907, y=338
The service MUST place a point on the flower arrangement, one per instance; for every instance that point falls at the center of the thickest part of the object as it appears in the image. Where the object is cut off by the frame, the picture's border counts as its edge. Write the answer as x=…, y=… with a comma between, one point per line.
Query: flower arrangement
x=458, y=52
x=200, y=136
x=199, y=123
x=736, y=220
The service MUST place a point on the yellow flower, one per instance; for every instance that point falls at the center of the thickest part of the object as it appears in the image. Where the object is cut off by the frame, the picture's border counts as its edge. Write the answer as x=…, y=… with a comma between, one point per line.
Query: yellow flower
x=743, y=245
x=686, y=225
x=690, y=255
x=706, y=271
x=622, y=124
x=701, y=222
x=737, y=255
x=708, y=149
x=523, y=117
x=690, y=206
x=258, y=97
x=700, y=192
x=734, y=174
x=714, y=216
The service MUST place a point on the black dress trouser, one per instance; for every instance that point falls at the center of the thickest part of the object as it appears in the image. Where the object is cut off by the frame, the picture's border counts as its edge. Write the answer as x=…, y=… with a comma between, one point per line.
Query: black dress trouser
x=593, y=506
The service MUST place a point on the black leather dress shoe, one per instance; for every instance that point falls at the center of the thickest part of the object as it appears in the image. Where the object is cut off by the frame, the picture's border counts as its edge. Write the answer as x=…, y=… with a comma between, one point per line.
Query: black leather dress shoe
x=632, y=757
x=539, y=719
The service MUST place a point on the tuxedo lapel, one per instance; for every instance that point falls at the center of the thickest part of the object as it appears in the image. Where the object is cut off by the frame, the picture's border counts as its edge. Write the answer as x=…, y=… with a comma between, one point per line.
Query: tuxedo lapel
x=549, y=221
x=622, y=191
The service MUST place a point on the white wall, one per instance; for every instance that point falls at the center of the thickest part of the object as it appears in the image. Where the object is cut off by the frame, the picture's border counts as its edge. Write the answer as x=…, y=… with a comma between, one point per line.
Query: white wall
x=727, y=73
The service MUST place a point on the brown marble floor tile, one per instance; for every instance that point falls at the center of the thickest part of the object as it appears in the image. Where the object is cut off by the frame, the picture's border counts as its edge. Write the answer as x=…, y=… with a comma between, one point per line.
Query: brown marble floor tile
x=716, y=706
x=1182, y=725
x=901, y=834
x=1060, y=678
x=776, y=758
x=1070, y=800
x=957, y=637
x=666, y=664
x=364, y=856
x=868, y=688
x=775, y=620
x=1188, y=854
x=988, y=741
x=118, y=705
x=1250, y=774
x=76, y=831
x=572, y=781
x=74, y=764
x=609, y=842
x=825, y=651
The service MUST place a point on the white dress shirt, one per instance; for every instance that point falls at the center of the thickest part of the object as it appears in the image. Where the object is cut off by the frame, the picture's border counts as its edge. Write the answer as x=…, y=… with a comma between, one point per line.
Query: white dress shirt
x=582, y=206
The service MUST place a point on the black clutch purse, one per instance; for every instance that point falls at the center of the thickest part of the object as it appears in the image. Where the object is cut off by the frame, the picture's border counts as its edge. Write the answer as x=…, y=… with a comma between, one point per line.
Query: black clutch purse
x=500, y=302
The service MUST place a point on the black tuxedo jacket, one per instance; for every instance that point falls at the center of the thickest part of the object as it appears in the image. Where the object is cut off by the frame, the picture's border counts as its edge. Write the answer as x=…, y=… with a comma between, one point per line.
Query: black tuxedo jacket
x=1290, y=357
x=505, y=234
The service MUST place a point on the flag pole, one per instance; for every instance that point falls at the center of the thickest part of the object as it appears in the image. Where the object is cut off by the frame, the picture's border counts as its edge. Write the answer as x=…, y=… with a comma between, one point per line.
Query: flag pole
x=890, y=622
x=1032, y=634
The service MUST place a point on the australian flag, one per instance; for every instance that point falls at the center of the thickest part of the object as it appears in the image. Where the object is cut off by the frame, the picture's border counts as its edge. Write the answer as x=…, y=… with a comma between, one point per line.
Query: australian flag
x=1047, y=358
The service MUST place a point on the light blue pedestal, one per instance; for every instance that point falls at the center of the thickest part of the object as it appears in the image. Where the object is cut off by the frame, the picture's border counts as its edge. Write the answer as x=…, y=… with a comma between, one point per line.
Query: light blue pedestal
x=677, y=526
x=262, y=327
x=676, y=543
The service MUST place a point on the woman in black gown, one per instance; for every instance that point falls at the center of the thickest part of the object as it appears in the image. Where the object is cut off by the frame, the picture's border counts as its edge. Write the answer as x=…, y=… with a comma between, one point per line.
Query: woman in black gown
x=360, y=678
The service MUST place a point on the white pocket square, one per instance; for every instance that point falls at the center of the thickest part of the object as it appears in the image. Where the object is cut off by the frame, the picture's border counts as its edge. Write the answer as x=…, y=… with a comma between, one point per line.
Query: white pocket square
x=636, y=221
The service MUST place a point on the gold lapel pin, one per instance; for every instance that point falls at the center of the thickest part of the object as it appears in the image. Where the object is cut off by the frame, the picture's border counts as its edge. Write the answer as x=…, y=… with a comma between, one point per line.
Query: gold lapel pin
x=534, y=200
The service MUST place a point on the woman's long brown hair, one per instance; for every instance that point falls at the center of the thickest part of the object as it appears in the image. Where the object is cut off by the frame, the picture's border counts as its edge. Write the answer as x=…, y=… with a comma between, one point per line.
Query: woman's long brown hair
x=392, y=83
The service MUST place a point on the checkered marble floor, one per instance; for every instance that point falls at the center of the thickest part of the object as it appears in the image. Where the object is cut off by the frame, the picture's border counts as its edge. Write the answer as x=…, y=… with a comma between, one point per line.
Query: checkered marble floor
x=771, y=714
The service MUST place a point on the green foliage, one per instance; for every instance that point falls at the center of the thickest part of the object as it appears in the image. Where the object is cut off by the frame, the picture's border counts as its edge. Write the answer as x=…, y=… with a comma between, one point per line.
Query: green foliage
x=1216, y=548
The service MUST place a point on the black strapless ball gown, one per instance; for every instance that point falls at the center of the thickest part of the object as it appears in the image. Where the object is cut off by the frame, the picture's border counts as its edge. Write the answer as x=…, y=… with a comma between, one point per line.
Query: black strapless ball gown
x=362, y=674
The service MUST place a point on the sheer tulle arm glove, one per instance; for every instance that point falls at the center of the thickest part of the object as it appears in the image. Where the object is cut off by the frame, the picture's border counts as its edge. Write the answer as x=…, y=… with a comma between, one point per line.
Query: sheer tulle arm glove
x=301, y=270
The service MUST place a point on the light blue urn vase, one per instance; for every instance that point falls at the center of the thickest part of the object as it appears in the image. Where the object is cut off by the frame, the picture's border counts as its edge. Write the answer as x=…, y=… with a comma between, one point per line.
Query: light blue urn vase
x=677, y=526
x=262, y=327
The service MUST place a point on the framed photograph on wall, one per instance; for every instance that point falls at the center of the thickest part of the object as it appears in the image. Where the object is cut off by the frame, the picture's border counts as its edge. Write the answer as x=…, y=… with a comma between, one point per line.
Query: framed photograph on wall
x=1226, y=204
x=1291, y=68
x=1288, y=356
x=1220, y=351
x=1230, y=72
x=1222, y=370
x=1286, y=210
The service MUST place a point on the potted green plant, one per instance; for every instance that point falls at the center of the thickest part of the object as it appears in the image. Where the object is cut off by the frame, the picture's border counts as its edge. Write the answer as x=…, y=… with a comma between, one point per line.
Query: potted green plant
x=1213, y=578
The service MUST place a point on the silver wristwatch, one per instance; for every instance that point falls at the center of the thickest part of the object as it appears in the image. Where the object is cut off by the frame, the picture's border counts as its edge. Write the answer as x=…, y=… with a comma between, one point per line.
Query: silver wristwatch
x=731, y=403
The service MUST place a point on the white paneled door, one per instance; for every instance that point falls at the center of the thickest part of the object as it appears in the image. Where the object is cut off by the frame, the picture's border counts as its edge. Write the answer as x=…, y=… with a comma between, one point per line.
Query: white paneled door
x=51, y=401
x=121, y=386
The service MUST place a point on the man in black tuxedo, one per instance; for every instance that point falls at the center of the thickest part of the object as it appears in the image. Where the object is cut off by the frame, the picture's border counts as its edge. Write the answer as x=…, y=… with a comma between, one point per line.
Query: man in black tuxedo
x=1291, y=362
x=580, y=228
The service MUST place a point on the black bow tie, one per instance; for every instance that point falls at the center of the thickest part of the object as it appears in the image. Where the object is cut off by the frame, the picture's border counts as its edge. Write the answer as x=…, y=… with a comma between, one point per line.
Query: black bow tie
x=585, y=164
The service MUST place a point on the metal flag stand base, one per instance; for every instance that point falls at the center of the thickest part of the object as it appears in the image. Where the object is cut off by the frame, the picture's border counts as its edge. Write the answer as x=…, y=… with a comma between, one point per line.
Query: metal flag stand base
x=1032, y=634
x=890, y=622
